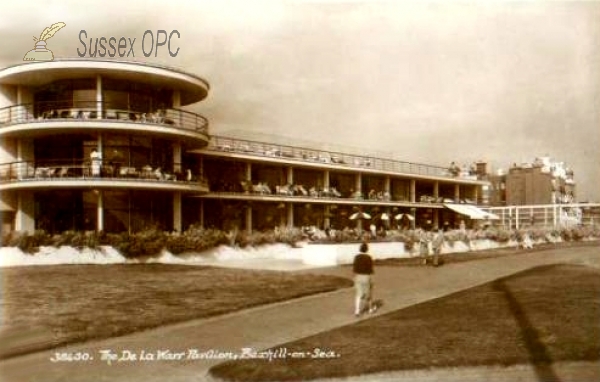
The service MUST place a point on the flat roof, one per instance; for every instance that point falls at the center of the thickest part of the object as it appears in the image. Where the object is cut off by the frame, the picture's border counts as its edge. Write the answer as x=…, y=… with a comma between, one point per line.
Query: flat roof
x=192, y=88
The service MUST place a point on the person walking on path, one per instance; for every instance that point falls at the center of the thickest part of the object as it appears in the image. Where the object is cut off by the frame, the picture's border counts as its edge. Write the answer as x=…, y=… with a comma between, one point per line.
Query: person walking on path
x=363, y=283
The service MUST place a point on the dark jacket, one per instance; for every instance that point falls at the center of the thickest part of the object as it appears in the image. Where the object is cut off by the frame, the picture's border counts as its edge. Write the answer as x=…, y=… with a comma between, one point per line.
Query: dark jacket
x=363, y=264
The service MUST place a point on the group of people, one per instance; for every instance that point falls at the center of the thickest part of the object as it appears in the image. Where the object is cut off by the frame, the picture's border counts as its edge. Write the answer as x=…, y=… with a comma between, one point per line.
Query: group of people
x=455, y=170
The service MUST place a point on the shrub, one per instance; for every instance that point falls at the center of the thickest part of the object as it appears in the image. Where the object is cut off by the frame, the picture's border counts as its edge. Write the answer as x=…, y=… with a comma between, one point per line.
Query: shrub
x=29, y=243
x=500, y=235
x=288, y=235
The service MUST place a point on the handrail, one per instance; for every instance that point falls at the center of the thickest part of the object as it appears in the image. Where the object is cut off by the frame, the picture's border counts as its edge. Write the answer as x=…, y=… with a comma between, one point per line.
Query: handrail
x=248, y=147
x=69, y=169
x=422, y=200
x=46, y=111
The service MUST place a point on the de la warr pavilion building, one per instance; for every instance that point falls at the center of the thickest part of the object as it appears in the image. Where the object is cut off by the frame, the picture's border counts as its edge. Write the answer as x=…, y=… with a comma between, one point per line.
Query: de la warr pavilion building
x=109, y=146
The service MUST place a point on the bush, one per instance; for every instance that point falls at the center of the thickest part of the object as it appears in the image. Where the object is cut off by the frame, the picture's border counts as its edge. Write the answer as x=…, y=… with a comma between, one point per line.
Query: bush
x=500, y=235
x=151, y=242
x=26, y=242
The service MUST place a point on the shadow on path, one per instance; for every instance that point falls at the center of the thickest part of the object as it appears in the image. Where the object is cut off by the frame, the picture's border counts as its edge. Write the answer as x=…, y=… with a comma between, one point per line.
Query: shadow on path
x=538, y=354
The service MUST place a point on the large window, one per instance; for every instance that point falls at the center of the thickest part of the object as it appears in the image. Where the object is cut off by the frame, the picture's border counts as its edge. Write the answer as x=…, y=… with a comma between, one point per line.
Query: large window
x=135, y=211
x=117, y=94
x=66, y=210
x=65, y=94
x=138, y=151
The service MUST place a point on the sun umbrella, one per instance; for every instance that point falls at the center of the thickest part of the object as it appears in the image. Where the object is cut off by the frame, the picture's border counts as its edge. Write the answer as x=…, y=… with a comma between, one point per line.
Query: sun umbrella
x=408, y=216
x=385, y=216
x=360, y=215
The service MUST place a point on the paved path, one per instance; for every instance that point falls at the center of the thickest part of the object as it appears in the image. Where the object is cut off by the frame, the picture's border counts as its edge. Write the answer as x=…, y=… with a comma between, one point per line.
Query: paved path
x=275, y=324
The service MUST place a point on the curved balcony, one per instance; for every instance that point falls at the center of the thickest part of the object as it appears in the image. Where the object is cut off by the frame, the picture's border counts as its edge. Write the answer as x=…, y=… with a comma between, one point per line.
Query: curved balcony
x=86, y=174
x=62, y=116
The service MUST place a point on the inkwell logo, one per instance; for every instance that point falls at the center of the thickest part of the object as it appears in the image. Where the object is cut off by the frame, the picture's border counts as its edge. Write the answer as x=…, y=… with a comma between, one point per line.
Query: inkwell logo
x=41, y=53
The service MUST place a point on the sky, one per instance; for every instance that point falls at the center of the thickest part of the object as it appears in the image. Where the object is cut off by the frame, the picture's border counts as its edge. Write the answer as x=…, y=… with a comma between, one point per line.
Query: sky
x=427, y=82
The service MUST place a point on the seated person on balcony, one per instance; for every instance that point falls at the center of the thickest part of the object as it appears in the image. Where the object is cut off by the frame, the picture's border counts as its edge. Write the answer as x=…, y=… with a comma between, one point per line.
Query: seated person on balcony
x=158, y=173
x=108, y=170
x=147, y=171
x=156, y=118
x=372, y=194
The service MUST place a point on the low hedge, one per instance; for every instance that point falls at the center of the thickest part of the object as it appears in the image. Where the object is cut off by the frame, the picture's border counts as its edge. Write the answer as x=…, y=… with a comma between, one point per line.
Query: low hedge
x=152, y=242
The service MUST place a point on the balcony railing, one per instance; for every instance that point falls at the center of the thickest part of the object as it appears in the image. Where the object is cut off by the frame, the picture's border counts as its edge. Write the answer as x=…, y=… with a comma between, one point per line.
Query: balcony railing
x=100, y=111
x=56, y=170
x=218, y=143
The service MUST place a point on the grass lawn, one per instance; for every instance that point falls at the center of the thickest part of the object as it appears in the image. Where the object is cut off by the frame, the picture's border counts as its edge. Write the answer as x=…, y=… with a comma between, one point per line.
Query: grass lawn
x=538, y=316
x=75, y=303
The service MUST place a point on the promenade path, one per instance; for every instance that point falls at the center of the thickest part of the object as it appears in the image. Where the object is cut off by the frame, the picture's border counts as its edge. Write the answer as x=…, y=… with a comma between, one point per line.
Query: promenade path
x=275, y=324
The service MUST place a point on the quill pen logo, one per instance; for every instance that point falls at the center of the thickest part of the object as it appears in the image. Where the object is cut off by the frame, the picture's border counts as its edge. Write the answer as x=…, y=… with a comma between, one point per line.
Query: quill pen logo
x=41, y=53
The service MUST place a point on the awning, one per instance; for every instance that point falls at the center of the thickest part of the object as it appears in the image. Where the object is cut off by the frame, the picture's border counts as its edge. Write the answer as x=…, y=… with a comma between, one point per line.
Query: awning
x=471, y=211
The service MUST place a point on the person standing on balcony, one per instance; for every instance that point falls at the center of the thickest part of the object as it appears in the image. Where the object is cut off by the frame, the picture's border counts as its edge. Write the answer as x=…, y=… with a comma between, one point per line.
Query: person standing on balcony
x=96, y=160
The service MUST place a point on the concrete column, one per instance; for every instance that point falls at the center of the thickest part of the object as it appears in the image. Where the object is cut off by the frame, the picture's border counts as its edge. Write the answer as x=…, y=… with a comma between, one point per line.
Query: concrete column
x=456, y=193
x=249, y=219
x=19, y=110
x=249, y=171
x=100, y=213
x=177, y=157
x=177, y=212
x=327, y=219
x=176, y=101
x=201, y=212
x=25, y=153
x=358, y=183
x=387, y=187
x=476, y=195
x=290, y=215
x=436, y=219
x=290, y=175
x=413, y=191
x=389, y=223
x=436, y=190
x=24, y=111
x=326, y=179
x=99, y=98
x=201, y=164
x=24, y=218
x=100, y=144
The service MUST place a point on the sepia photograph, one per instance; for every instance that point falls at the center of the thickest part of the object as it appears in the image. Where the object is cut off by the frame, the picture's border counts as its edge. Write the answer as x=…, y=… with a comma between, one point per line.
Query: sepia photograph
x=300, y=190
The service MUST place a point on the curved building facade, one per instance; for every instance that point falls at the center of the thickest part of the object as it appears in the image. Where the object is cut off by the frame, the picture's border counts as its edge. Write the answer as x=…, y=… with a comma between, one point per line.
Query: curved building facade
x=106, y=146
x=98, y=145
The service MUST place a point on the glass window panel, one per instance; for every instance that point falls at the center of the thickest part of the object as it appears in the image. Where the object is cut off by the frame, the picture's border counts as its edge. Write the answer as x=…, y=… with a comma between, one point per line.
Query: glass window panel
x=116, y=140
x=116, y=100
x=116, y=200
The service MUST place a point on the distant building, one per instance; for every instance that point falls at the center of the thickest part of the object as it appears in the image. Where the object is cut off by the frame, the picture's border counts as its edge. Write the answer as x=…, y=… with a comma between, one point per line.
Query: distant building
x=540, y=182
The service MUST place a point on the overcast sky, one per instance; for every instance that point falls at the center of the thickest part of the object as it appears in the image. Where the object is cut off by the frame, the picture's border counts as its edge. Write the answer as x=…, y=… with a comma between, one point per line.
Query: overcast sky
x=429, y=82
